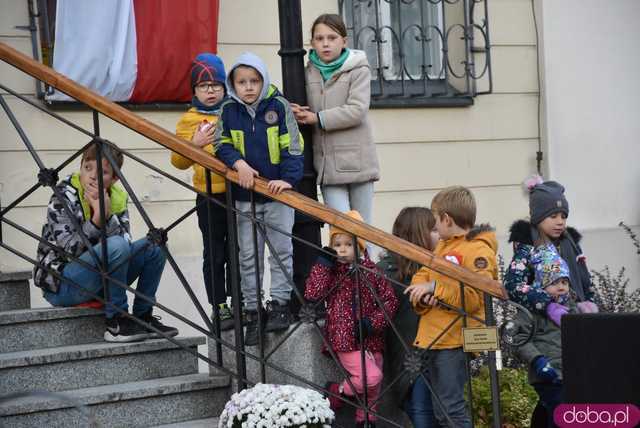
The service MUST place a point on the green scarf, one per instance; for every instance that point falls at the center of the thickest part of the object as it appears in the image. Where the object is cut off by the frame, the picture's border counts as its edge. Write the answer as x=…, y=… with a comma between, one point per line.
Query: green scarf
x=327, y=70
x=118, y=197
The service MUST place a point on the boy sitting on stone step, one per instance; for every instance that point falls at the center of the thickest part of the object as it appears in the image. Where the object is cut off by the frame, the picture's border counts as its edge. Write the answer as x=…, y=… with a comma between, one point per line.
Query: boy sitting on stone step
x=69, y=272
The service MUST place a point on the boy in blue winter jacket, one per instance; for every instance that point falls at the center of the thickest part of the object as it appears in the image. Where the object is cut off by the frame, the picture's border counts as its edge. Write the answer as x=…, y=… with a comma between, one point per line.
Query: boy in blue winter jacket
x=257, y=135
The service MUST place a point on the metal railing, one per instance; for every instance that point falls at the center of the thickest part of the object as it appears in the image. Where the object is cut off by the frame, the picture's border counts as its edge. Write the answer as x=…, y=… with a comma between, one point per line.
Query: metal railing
x=422, y=52
x=158, y=236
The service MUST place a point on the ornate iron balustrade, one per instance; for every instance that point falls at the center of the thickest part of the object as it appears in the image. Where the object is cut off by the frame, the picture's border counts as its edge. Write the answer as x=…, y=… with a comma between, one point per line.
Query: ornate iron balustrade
x=422, y=52
x=159, y=236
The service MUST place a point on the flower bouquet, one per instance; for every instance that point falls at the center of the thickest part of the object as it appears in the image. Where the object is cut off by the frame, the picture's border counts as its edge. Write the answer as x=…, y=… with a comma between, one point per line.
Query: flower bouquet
x=267, y=405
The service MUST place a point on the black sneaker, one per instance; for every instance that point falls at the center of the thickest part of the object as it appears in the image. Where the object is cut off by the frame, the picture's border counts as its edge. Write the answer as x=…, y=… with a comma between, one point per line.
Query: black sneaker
x=154, y=320
x=123, y=329
x=279, y=317
x=252, y=333
x=226, y=317
x=362, y=424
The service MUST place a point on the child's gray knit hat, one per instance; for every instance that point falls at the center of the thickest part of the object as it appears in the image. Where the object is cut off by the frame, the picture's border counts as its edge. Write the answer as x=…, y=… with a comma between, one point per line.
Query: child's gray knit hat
x=545, y=199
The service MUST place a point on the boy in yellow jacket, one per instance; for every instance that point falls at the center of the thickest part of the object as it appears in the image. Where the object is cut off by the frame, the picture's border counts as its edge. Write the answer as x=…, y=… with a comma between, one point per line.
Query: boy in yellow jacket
x=197, y=126
x=475, y=249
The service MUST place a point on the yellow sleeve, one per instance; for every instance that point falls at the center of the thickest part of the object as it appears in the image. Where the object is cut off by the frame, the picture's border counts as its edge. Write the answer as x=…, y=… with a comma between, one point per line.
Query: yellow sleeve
x=185, y=130
x=481, y=261
x=423, y=275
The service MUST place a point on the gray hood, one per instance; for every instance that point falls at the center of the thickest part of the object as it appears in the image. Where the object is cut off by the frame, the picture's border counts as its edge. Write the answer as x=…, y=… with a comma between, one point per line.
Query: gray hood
x=251, y=60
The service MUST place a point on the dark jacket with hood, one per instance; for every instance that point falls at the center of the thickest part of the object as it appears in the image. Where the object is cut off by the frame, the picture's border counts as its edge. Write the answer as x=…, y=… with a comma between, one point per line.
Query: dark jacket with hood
x=545, y=341
x=543, y=333
x=406, y=324
x=265, y=134
x=519, y=276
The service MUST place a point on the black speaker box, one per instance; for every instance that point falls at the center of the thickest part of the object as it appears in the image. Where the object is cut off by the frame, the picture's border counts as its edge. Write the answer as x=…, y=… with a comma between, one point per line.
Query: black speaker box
x=601, y=358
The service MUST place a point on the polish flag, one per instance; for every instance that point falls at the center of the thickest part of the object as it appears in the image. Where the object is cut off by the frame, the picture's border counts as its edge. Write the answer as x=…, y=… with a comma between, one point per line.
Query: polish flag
x=138, y=51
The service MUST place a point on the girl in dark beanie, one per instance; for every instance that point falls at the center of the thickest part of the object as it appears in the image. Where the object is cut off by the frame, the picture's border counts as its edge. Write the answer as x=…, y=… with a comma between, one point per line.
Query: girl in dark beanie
x=548, y=209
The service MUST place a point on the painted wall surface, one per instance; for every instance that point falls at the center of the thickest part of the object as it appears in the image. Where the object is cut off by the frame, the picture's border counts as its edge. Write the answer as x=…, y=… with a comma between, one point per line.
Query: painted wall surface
x=591, y=92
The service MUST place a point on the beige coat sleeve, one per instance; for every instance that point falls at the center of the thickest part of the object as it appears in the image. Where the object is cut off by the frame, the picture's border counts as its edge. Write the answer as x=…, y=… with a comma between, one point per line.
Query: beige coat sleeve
x=354, y=111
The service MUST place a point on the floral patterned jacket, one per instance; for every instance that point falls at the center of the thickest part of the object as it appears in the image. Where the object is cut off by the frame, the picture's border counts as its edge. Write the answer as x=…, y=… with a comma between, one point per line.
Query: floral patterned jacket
x=519, y=275
x=338, y=285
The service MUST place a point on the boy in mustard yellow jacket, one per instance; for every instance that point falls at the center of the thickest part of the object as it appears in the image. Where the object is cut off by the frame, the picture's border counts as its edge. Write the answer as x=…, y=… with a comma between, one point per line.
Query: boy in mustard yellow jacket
x=197, y=126
x=475, y=249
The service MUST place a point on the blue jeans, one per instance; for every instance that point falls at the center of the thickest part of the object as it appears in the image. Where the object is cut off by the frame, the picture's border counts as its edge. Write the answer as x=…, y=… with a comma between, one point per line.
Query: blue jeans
x=419, y=406
x=346, y=197
x=448, y=375
x=146, y=265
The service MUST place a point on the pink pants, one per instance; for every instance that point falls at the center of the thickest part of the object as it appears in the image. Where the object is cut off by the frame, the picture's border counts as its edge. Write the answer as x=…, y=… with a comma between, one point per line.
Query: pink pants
x=352, y=363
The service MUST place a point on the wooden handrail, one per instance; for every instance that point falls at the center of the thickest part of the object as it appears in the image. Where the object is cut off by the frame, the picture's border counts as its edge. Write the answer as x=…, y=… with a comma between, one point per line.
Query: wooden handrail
x=291, y=198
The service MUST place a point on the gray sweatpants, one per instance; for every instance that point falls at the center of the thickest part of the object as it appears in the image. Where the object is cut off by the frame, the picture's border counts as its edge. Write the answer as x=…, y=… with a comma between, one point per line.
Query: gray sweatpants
x=281, y=217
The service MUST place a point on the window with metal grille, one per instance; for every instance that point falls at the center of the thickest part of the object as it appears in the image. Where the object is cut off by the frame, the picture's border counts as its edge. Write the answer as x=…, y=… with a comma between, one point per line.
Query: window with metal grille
x=422, y=52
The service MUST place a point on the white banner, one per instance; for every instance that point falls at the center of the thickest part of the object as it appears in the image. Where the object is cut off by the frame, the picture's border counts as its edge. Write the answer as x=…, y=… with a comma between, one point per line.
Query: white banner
x=95, y=45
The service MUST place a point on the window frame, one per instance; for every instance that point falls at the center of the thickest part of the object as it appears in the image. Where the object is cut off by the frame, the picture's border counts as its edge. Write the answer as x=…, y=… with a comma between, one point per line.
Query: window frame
x=428, y=90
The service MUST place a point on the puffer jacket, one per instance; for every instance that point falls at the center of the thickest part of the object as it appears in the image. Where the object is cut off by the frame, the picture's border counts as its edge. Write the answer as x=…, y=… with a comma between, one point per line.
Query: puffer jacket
x=338, y=286
x=476, y=250
x=265, y=134
x=519, y=277
x=545, y=341
x=343, y=147
x=185, y=129
x=406, y=323
x=59, y=230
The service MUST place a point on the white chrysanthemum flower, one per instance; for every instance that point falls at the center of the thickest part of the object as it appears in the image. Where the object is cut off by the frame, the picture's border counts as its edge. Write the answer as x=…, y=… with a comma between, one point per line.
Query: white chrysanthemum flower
x=267, y=405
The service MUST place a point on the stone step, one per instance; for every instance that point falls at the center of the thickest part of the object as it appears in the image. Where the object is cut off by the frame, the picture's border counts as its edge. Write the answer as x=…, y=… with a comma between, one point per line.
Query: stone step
x=25, y=329
x=94, y=364
x=134, y=404
x=299, y=354
x=200, y=423
x=14, y=290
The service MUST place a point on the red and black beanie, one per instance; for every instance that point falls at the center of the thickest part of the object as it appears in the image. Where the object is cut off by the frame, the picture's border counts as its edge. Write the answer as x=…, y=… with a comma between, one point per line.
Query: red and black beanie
x=207, y=67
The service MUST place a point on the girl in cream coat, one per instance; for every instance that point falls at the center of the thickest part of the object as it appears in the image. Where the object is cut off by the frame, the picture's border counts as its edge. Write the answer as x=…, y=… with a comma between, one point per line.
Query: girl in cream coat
x=338, y=83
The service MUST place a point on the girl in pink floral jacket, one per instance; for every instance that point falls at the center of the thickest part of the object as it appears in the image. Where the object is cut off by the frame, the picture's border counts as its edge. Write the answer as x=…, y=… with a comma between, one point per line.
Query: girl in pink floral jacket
x=351, y=329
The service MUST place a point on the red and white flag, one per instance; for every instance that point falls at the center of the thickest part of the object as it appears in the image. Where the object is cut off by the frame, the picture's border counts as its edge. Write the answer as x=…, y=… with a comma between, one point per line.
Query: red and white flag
x=138, y=51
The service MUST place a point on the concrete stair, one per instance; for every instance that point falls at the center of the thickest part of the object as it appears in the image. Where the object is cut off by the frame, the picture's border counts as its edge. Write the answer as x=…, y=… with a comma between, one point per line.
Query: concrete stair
x=14, y=290
x=54, y=362
x=93, y=364
x=133, y=404
x=26, y=329
x=201, y=423
x=298, y=352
